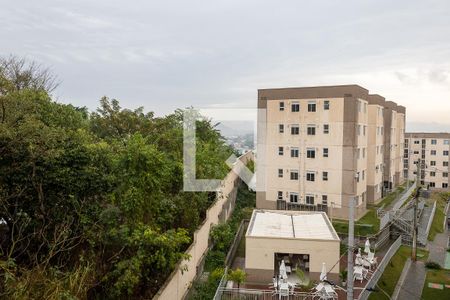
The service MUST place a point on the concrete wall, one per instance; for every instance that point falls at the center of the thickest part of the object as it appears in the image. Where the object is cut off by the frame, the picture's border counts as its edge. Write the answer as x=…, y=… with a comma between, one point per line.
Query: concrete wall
x=178, y=283
x=259, y=255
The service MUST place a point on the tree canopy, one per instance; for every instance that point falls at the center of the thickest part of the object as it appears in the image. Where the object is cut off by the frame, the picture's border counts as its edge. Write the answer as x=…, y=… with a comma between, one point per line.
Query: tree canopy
x=92, y=201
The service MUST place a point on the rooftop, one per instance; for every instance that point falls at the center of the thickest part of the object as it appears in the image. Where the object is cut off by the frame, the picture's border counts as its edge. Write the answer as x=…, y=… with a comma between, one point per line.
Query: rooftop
x=291, y=224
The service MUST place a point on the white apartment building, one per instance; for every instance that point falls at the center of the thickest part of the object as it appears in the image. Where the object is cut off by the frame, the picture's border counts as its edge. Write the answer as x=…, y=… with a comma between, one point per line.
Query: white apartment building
x=317, y=146
x=432, y=151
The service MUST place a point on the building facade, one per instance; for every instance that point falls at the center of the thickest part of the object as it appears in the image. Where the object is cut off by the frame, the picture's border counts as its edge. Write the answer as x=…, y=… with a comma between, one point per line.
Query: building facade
x=431, y=151
x=317, y=146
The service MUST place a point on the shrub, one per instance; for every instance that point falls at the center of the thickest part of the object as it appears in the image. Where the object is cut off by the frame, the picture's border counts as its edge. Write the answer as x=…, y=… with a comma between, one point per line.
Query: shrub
x=433, y=265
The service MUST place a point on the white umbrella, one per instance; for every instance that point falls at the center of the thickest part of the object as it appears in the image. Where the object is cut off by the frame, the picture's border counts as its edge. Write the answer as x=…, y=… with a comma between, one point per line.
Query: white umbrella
x=367, y=246
x=283, y=272
x=323, y=274
x=358, y=259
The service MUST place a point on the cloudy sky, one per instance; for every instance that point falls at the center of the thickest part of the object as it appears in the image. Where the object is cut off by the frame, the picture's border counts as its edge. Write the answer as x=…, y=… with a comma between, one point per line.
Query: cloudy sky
x=172, y=54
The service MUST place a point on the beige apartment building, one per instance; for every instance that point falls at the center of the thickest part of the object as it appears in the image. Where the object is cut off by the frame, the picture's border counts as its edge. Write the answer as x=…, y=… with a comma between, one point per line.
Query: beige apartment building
x=432, y=151
x=317, y=146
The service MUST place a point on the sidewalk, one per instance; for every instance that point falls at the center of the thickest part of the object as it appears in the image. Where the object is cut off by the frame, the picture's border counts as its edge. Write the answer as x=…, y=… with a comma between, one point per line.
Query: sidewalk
x=413, y=283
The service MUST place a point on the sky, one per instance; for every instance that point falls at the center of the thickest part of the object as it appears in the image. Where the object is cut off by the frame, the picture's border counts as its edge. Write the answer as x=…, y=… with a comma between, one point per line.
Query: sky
x=169, y=54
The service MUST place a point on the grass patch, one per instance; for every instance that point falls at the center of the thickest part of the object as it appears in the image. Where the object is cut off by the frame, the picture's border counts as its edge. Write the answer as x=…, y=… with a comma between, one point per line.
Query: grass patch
x=369, y=224
x=393, y=270
x=439, y=216
x=436, y=276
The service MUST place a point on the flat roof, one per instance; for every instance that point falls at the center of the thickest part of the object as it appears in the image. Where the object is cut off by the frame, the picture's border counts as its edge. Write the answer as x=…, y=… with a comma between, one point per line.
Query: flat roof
x=291, y=224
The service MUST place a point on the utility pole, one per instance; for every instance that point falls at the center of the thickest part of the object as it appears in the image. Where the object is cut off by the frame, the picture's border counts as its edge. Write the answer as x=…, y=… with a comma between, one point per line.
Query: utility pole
x=351, y=224
x=414, y=229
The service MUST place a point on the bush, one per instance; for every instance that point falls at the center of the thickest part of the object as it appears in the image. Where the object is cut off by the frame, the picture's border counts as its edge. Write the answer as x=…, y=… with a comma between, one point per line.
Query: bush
x=433, y=265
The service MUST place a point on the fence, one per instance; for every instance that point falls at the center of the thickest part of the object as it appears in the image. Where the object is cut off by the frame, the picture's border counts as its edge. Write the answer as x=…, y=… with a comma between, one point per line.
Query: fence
x=253, y=294
x=380, y=269
x=423, y=236
x=186, y=271
x=236, y=241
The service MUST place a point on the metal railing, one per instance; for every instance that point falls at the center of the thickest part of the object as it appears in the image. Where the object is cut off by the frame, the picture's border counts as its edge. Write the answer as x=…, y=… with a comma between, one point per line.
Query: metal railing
x=380, y=269
x=222, y=284
x=254, y=294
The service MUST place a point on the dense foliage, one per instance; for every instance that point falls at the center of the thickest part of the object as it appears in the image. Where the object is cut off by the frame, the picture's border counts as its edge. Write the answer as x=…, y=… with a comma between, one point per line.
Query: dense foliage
x=92, y=203
x=222, y=237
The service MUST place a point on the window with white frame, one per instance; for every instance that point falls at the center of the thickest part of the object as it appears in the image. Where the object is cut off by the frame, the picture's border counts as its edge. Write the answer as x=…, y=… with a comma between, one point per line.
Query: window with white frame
x=310, y=176
x=433, y=142
x=295, y=107
x=294, y=174
x=445, y=174
x=325, y=176
x=311, y=106
x=293, y=197
x=280, y=195
x=280, y=151
x=311, y=152
x=309, y=199
x=326, y=128
x=326, y=105
x=433, y=152
x=445, y=153
x=280, y=173
x=325, y=152
x=295, y=129
x=294, y=152
x=311, y=129
x=281, y=128
x=432, y=163
x=281, y=106
x=324, y=200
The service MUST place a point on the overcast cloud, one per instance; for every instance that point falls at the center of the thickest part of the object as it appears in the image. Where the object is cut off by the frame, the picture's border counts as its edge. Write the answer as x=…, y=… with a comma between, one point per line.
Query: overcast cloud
x=171, y=54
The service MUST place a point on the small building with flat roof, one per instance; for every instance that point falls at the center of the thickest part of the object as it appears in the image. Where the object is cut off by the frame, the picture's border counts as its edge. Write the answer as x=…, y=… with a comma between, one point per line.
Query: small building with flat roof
x=304, y=240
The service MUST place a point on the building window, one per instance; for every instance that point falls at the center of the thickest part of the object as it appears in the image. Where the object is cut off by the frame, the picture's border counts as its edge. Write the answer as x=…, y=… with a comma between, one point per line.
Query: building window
x=325, y=176
x=326, y=105
x=311, y=130
x=280, y=150
x=280, y=195
x=310, y=199
x=445, y=163
x=432, y=174
x=294, y=152
x=416, y=152
x=326, y=128
x=294, y=175
x=433, y=142
x=445, y=153
x=310, y=176
x=432, y=184
x=432, y=163
x=281, y=106
x=445, y=174
x=293, y=197
x=281, y=128
x=280, y=173
x=311, y=153
x=444, y=185
x=324, y=199
x=312, y=106
x=325, y=152
x=363, y=175
x=417, y=142
x=363, y=152
x=446, y=142
x=433, y=152
x=364, y=130
x=295, y=129
x=295, y=107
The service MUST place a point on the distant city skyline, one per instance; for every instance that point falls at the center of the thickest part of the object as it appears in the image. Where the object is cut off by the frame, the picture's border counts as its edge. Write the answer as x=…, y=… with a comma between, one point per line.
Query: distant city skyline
x=176, y=54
